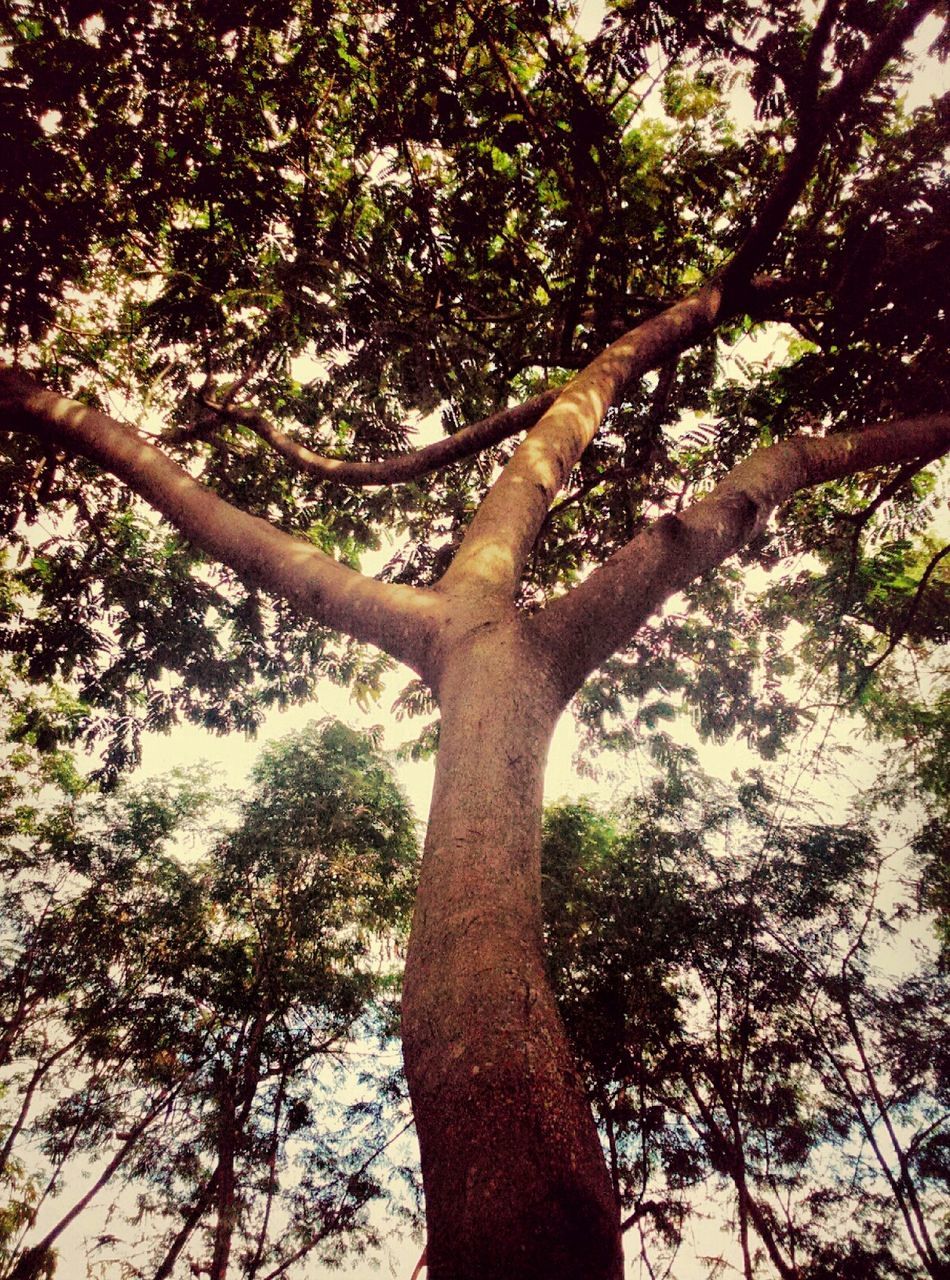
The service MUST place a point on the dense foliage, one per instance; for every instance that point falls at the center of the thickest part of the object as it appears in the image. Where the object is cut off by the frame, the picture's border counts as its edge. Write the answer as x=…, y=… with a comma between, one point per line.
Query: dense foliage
x=353, y=215
x=766, y=1089
x=180, y=1012
x=763, y=1022
x=288, y=241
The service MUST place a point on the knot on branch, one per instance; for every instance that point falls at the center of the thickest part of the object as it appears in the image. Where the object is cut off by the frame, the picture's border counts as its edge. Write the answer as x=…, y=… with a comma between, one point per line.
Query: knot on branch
x=748, y=514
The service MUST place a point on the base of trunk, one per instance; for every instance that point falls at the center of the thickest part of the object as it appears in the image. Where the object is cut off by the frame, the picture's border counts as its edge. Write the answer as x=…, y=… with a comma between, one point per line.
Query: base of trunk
x=516, y=1187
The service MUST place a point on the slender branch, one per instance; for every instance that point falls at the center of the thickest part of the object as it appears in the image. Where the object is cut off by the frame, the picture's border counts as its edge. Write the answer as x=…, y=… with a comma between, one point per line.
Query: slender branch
x=639, y=1213
x=24, y=1268
x=734, y=1160
x=811, y=72
x=911, y=613
x=601, y=614
x=338, y=1215
x=910, y=1190
x=14, y=1024
x=398, y=468
x=501, y=535
x=41, y=1070
x=540, y=128
x=815, y=128
x=64, y=1152
x=397, y=618
x=762, y=299
x=499, y=540
x=896, y=1184
x=860, y=518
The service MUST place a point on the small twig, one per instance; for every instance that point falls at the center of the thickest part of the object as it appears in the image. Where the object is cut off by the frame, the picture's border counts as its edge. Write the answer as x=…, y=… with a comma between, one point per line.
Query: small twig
x=907, y=472
x=909, y=615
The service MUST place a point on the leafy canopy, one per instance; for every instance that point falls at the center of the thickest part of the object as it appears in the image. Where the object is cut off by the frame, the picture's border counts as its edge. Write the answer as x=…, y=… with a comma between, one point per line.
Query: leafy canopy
x=351, y=215
x=761, y=1017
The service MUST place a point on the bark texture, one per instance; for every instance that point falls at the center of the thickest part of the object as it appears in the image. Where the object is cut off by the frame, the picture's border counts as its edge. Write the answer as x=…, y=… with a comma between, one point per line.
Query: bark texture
x=513, y=1168
x=603, y=612
x=400, y=467
x=516, y=1183
x=391, y=616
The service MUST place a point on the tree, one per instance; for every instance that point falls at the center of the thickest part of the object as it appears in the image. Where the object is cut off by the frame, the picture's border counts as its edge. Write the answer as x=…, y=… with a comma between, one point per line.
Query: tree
x=720, y=977
x=192, y=1055
x=272, y=236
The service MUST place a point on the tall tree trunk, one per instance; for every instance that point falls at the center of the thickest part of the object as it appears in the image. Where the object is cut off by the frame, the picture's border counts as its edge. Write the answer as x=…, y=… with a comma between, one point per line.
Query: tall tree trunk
x=516, y=1183
x=226, y=1189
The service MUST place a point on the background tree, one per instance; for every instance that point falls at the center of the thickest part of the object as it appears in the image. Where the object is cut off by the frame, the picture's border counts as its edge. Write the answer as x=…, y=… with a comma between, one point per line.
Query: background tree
x=273, y=238
x=181, y=1023
x=718, y=962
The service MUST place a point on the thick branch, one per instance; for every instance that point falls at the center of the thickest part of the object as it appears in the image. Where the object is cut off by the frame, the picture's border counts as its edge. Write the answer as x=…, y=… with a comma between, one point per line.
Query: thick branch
x=193, y=1216
x=601, y=614
x=398, y=619
x=761, y=300
x=501, y=535
x=499, y=540
x=811, y=72
x=400, y=467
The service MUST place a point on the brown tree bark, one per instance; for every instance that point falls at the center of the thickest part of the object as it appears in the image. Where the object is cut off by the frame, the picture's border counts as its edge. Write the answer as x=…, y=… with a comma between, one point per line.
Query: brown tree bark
x=515, y=1178
x=514, y=1173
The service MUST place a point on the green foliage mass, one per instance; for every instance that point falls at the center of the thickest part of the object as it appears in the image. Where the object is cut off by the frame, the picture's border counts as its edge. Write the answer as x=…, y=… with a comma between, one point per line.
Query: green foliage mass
x=180, y=1007
x=354, y=215
x=727, y=974
x=717, y=957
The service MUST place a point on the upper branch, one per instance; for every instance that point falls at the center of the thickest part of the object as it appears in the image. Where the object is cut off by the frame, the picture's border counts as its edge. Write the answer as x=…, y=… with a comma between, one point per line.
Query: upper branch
x=396, y=618
x=400, y=467
x=503, y=531
x=811, y=72
x=762, y=296
x=499, y=539
x=816, y=123
x=600, y=615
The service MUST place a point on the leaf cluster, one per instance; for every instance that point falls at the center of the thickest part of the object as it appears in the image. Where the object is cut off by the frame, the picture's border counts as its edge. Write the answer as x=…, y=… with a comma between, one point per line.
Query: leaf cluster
x=354, y=216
